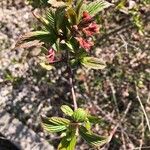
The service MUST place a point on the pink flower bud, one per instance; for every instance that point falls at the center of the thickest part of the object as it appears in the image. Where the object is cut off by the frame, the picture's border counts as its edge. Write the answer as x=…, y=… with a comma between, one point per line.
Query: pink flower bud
x=51, y=55
x=91, y=29
x=84, y=43
x=86, y=16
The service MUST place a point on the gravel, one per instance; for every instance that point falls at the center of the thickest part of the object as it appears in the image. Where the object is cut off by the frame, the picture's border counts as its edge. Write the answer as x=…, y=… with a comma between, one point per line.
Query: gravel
x=19, y=90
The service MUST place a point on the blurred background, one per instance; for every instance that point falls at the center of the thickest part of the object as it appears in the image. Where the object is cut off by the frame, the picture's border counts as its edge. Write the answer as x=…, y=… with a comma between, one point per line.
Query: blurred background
x=122, y=90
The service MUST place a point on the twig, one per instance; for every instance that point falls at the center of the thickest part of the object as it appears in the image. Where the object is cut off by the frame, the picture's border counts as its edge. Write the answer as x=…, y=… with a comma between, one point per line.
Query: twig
x=101, y=40
x=144, y=147
x=72, y=85
x=114, y=97
x=123, y=140
x=122, y=119
x=143, y=131
x=143, y=109
x=128, y=140
x=72, y=90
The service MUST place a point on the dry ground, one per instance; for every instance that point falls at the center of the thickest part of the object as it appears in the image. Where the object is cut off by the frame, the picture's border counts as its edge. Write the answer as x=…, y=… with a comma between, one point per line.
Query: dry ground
x=120, y=91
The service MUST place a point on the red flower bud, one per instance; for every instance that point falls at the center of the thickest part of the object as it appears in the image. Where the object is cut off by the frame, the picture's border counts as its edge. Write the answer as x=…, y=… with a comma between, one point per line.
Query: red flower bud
x=84, y=43
x=86, y=16
x=91, y=29
x=51, y=55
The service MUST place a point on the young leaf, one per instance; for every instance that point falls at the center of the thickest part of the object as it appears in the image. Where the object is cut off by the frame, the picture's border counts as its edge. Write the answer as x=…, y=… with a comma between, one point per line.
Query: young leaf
x=90, y=138
x=96, y=6
x=67, y=110
x=88, y=125
x=79, y=8
x=71, y=14
x=44, y=63
x=68, y=143
x=68, y=44
x=53, y=128
x=59, y=121
x=55, y=124
x=50, y=16
x=79, y=115
x=59, y=18
x=46, y=66
x=92, y=63
x=41, y=19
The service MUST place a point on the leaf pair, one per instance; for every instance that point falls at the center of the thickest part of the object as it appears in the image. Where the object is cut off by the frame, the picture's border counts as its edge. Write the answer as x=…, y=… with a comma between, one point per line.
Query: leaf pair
x=79, y=123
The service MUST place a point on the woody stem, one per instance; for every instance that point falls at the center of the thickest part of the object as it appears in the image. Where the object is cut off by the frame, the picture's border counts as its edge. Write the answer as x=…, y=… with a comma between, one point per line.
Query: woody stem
x=70, y=73
x=72, y=88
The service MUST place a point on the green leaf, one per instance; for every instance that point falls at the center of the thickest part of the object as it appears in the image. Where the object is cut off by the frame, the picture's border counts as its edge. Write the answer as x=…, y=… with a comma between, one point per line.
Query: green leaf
x=46, y=66
x=44, y=63
x=88, y=125
x=29, y=44
x=92, y=63
x=68, y=143
x=41, y=36
x=48, y=21
x=35, y=35
x=72, y=16
x=59, y=121
x=94, y=119
x=79, y=115
x=53, y=129
x=90, y=138
x=137, y=20
x=70, y=46
x=50, y=16
x=67, y=110
x=55, y=124
x=96, y=6
x=80, y=7
x=59, y=18
x=41, y=19
x=121, y=4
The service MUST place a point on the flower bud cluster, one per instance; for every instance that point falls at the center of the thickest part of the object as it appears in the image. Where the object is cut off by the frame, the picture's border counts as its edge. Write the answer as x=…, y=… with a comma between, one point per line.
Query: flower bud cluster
x=86, y=28
x=82, y=33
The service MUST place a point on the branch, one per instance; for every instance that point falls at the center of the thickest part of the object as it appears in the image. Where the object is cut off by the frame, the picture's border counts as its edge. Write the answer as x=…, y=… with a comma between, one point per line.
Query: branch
x=72, y=88
x=70, y=73
x=120, y=121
